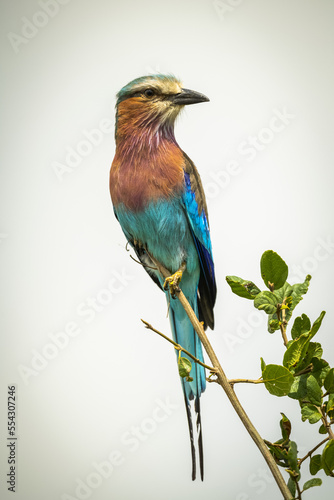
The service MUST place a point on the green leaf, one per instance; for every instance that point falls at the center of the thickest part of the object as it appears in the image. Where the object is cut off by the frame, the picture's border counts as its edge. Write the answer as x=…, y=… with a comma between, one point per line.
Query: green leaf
x=329, y=381
x=279, y=453
x=298, y=290
x=266, y=301
x=298, y=348
x=310, y=413
x=313, y=353
x=327, y=458
x=315, y=464
x=184, y=367
x=273, y=325
x=314, y=393
x=288, y=302
x=295, y=350
x=330, y=411
x=263, y=364
x=320, y=369
x=317, y=324
x=274, y=270
x=322, y=429
x=242, y=288
x=284, y=292
x=330, y=403
x=282, y=295
x=293, y=458
x=315, y=350
x=277, y=379
x=292, y=295
x=302, y=324
x=292, y=486
x=298, y=388
x=316, y=481
x=285, y=425
x=304, y=387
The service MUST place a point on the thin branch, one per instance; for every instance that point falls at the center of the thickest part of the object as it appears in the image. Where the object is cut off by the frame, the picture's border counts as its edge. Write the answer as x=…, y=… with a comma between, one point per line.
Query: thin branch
x=212, y=380
x=178, y=347
x=212, y=370
x=278, y=445
x=223, y=381
x=245, y=381
x=283, y=323
x=327, y=424
x=301, y=460
x=308, y=369
x=298, y=490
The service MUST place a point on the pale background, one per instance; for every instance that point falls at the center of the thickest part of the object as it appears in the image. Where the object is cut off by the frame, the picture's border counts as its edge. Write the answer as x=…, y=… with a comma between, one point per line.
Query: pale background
x=61, y=246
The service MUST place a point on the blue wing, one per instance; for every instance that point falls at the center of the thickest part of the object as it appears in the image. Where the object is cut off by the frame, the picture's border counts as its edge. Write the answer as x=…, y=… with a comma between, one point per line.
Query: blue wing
x=196, y=210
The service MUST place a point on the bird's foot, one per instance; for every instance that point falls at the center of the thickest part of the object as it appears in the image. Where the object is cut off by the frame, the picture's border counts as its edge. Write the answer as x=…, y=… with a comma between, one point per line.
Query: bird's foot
x=172, y=282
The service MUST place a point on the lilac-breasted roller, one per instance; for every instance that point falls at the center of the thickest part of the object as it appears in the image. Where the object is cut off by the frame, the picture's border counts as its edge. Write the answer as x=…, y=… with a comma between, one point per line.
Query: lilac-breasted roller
x=159, y=202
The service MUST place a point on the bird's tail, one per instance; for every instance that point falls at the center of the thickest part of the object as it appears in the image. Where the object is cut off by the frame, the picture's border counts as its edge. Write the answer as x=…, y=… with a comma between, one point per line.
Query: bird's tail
x=185, y=335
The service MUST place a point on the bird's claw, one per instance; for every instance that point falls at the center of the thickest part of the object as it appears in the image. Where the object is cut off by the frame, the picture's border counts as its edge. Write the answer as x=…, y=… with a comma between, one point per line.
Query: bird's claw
x=172, y=283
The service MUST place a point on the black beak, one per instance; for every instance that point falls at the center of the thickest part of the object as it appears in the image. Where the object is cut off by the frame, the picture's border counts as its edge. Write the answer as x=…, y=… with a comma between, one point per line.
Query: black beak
x=187, y=96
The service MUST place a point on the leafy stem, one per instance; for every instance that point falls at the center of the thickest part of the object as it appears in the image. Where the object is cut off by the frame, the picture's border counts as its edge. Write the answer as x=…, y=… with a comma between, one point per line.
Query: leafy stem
x=303, y=375
x=178, y=347
x=282, y=321
x=299, y=492
x=326, y=424
x=308, y=369
x=245, y=381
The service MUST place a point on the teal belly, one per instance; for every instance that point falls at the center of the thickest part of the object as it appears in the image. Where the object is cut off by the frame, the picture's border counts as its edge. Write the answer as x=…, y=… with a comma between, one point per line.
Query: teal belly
x=163, y=229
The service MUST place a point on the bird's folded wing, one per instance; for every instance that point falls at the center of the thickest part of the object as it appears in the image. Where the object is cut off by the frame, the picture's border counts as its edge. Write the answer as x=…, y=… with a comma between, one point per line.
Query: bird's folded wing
x=196, y=210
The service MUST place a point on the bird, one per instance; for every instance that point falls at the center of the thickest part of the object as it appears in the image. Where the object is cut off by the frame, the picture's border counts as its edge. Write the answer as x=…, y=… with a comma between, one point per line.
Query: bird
x=159, y=201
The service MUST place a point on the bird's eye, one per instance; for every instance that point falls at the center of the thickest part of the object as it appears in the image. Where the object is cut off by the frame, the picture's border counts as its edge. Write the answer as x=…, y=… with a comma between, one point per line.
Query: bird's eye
x=149, y=93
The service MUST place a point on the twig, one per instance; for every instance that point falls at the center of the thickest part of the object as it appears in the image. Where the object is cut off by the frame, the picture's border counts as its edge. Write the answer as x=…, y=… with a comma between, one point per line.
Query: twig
x=223, y=381
x=280, y=310
x=278, y=445
x=301, y=460
x=283, y=323
x=178, y=347
x=299, y=497
x=308, y=369
x=245, y=381
x=327, y=424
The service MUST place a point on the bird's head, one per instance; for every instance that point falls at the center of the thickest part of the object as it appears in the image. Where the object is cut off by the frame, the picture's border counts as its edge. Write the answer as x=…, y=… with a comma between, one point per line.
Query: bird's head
x=152, y=102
